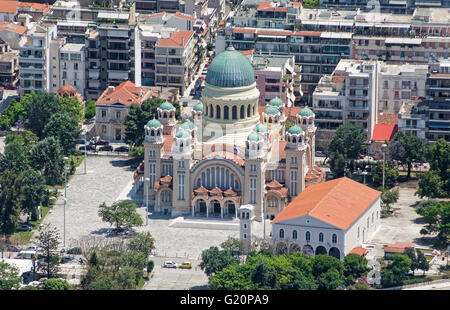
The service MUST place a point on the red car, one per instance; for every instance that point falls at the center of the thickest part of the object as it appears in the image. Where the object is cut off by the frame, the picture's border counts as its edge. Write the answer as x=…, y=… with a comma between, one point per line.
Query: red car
x=11, y=86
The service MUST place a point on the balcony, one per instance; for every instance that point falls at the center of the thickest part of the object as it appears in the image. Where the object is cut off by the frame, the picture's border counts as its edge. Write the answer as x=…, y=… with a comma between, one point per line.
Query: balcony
x=358, y=107
x=328, y=106
x=320, y=116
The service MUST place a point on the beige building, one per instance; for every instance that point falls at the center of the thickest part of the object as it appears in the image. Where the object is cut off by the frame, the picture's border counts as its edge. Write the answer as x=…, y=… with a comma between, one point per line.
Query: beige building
x=9, y=64
x=228, y=154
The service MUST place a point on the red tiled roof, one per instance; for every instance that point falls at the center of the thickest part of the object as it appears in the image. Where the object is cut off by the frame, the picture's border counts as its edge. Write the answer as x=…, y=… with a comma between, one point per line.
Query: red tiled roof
x=126, y=93
x=384, y=132
x=229, y=192
x=267, y=6
x=359, y=251
x=166, y=179
x=244, y=30
x=338, y=79
x=216, y=191
x=155, y=15
x=274, y=32
x=307, y=33
x=248, y=52
x=205, y=31
x=295, y=3
x=331, y=203
x=274, y=184
x=9, y=6
x=178, y=14
x=35, y=6
x=398, y=247
x=168, y=143
x=201, y=191
x=7, y=26
x=177, y=39
x=222, y=22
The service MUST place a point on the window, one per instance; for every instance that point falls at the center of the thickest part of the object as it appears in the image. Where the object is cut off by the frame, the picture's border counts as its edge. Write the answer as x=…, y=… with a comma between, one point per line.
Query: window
x=367, y=222
x=118, y=115
x=245, y=226
x=103, y=129
x=181, y=187
x=281, y=233
x=294, y=235
x=181, y=164
x=252, y=190
x=152, y=175
x=103, y=113
x=358, y=232
x=308, y=236
x=245, y=236
x=75, y=66
x=252, y=167
x=293, y=183
x=334, y=238
x=320, y=237
x=152, y=154
x=293, y=160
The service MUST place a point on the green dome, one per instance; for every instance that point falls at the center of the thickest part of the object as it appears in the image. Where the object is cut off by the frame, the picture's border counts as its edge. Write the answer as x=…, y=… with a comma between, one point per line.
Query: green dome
x=254, y=137
x=154, y=123
x=276, y=102
x=271, y=110
x=183, y=134
x=230, y=69
x=306, y=112
x=295, y=130
x=261, y=128
x=198, y=107
x=166, y=105
x=188, y=125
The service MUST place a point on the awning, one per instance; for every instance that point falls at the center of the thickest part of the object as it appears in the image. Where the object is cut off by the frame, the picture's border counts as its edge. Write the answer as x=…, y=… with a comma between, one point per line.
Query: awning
x=439, y=125
x=271, y=37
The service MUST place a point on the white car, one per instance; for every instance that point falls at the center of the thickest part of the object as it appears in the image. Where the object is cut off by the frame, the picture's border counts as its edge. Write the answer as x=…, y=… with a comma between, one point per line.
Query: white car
x=170, y=264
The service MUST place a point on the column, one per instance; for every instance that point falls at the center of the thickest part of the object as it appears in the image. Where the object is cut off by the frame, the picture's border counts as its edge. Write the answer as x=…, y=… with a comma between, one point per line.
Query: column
x=221, y=210
x=207, y=209
x=193, y=207
x=236, y=210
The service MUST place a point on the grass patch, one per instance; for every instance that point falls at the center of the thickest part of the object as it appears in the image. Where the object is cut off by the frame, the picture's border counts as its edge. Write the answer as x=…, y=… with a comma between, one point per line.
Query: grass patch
x=417, y=280
x=140, y=284
x=45, y=210
x=21, y=237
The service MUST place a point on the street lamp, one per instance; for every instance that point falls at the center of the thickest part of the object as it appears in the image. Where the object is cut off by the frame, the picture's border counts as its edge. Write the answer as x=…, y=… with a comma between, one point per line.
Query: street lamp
x=383, y=148
x=65, y=197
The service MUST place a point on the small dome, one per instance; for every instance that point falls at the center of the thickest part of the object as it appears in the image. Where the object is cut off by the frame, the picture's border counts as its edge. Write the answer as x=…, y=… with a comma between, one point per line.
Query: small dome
x=271, y=110
x=261, y=128
x=230, y=68
x=306, y=112
x=295, y=130
x=183, y=134
x=254, y=137
x=154, y=123
x=188, y=125
x=167, y=106
x=276, y=102
x=198, y=107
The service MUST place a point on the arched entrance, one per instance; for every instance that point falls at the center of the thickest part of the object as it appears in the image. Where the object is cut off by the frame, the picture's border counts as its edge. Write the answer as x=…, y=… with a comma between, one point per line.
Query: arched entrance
x=308, y=250
x=321, y=250
x=294, y=248
x=215, y=209
x=281, y=248
x=200, y=207
x=335, y=252
x=230, y=209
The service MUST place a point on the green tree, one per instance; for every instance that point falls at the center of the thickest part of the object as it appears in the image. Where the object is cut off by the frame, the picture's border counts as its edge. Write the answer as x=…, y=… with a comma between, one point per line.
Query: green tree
x=128, y=277
x=322, y=263
x=65, y=128
x=214, y=260
x=390, y=175
x=264, y=276
x=138, y=153
x=150, y=266
x=56, y=285
x=93, y=260
x=395, y=273
x=9, y=277
x=34, y=191
x=142, y=243
x=355, y=266
x=388, y=197
x=47, y=157
x=13, y=113
x=413, y=150
x=437, y=218
x=422, y=262
x=48, y=242
x=311, y=4
x=430, y=185
x=411, y=253
x=233, y=277
x=233, y=245
x=90, y=109
x=121, y=214
x=39, y=107
x=346, y=145
x=438, y=156
x=103, y=282
x=15, y=158
x=330, y=280
x=134, y=259
x=73, y=107
x=26, y=139
x=11, y=199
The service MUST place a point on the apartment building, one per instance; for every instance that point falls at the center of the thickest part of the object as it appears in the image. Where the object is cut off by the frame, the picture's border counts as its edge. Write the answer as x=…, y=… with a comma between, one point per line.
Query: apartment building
x=399, y=83
x=274, y=76
x=35, y=58
x=412, y=118
x=9, y=63
x=72, y=69
x=396, y=7
x=348, y=95
x=158, y=5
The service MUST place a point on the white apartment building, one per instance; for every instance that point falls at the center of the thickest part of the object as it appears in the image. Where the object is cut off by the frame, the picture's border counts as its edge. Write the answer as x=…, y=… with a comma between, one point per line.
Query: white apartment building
x=348, y=95
x=34, y=59
x=72, y=69
x=413, y=118
x=398, y=84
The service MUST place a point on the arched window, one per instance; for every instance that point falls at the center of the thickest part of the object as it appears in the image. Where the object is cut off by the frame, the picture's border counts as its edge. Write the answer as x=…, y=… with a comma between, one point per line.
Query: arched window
x=270, y=120
x=281, y=233
x=218, y=112
x=253, y=110
x=211, y=110
x=248, y=111
x=242, y=112
x=152, y=133
x=334, y=238
x=294, y=140
x=225, y=112
x=158, y=133
x=320, y=237
x=234, y=112
x=308, y=236
x=294, y=235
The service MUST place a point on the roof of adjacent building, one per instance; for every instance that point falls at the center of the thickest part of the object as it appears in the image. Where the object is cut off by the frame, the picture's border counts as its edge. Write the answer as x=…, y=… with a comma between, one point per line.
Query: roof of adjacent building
x=9, y=6
x=359, y=251
x=387, y=118
x=126, y=93
x=270, y=6
x=331, y=203
x=179, y=38
x=36, y=6
x=384, y=132
x=7, y=26
x=230, y=69
x=398, y=247
x=185, y=16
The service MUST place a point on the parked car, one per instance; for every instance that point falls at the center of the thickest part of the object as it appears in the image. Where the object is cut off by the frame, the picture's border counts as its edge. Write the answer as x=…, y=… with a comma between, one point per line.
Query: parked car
x=87, y=148
x=99, y=142
x=105, y=148
x=24, y=227
x=80, y=141
x=75, y=251
x=13, y=248
x=320, y=154
x=11, y=86
x=185, y=265
x=122, y=148
x=68, y=259
x=32, y=248
x=361, y=156
x=169, y=264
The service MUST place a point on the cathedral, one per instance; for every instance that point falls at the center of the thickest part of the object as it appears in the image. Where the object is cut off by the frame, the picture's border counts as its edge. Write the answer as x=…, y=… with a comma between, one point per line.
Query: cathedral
x=231, y=152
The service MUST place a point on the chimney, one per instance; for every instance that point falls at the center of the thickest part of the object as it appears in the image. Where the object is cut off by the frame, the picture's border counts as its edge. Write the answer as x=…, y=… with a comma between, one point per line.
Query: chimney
x=110, y=89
